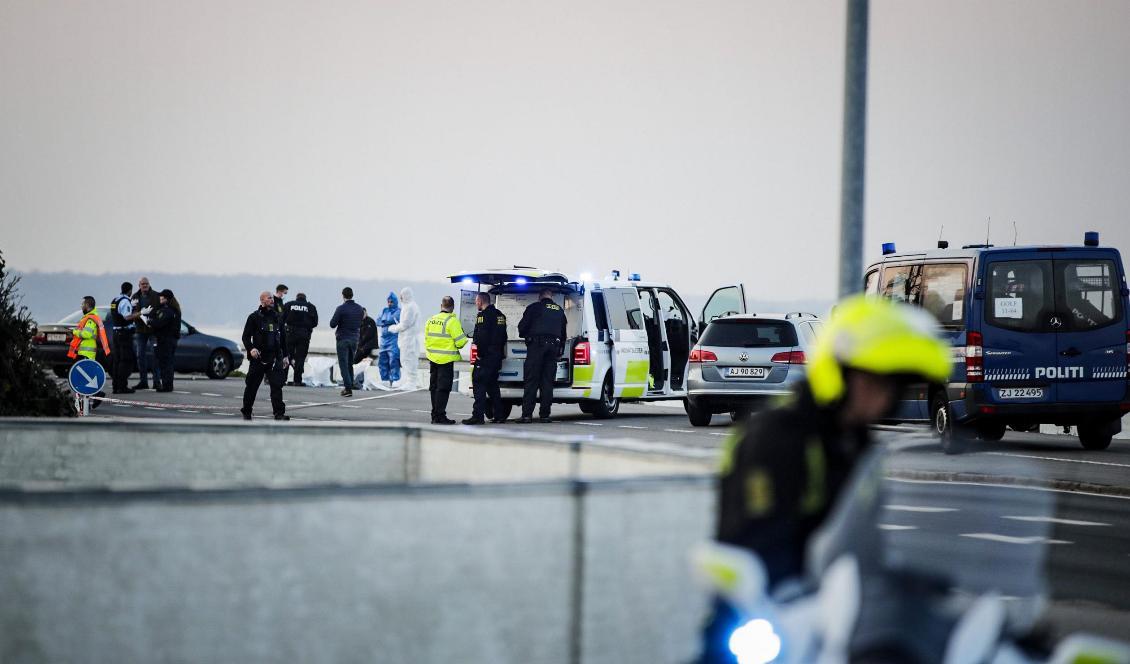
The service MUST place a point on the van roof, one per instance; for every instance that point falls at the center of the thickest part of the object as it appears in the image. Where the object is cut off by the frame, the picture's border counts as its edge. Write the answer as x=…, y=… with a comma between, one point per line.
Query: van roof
x=496, y=276
x=972, y=251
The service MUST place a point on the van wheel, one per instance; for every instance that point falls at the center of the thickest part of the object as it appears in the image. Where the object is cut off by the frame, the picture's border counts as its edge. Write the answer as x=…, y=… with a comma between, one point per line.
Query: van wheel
x=1093, y=437
x=699, y=417
x=952, y=438
x=586, y=407
x=990, y=431
x=607, y=405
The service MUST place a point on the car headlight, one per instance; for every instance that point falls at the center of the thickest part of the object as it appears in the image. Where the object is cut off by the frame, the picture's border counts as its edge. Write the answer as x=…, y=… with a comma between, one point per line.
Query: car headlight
x=755, y=642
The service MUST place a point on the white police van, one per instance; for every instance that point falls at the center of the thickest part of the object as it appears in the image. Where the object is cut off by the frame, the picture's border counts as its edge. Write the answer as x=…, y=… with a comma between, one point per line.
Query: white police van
x=1040, y=336
x=628, y=340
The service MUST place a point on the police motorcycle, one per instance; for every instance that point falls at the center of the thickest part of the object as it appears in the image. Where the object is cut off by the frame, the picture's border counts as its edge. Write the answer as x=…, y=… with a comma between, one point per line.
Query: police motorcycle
x=861, y=602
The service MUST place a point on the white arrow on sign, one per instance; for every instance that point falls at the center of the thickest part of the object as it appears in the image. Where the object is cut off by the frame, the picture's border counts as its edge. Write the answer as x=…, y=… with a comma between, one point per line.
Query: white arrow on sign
x=92, y=382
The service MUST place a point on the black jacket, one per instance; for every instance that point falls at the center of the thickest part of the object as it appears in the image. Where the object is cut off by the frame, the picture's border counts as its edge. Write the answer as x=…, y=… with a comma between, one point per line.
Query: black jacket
x=164, y=322
x=544, y=318
x=140, y=301
x=368, y=338
x=264, y=332
x=299, y=315
x=780, y=479
x=490, y=333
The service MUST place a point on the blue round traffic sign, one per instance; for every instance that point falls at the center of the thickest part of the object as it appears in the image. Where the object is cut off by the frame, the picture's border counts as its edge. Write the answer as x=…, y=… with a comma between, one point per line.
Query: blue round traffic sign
x=87, y=377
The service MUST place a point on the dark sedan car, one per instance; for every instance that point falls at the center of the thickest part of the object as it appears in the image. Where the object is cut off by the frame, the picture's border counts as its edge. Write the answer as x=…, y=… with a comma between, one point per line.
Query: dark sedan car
x=196, y=351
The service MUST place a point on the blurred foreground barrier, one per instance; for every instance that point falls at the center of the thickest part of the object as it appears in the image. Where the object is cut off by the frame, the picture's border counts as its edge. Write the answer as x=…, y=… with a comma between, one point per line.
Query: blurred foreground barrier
x=444, y=547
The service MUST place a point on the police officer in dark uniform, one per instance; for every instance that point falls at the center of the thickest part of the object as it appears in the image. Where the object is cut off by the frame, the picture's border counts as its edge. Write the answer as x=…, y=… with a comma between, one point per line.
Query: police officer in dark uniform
x=490, y=343
x=280, y=308
x=265, y=340
x=123, y=357
x=299, y=319
x=543, y=328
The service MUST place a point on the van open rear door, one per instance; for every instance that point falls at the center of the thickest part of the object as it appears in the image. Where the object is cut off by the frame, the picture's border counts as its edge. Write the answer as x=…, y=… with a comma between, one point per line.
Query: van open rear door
x=725, y=301
x=628, y=341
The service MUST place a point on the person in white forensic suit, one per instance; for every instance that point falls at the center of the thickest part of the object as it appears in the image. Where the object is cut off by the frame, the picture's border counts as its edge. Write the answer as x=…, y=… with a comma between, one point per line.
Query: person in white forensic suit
x=408, y=339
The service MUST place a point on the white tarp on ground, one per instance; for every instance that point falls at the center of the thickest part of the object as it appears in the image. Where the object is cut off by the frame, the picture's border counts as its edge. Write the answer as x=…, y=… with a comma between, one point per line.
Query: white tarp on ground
x=323, y=371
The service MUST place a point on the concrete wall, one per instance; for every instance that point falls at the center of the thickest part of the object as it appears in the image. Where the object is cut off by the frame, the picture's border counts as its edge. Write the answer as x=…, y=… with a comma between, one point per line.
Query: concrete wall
x=540, y=568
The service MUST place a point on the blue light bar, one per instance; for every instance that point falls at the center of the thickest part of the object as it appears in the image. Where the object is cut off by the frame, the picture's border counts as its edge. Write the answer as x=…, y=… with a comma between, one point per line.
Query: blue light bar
x=888, y=248
x=468, y=281
x=1091, y=239
x=521, y=281
x=635, y=276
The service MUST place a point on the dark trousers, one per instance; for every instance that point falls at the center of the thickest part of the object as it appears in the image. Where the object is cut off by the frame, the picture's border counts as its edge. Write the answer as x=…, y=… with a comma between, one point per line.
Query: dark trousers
x=488, y=396
x=298, y=346
x=122, y=359
x=142, y=340
x=275, y=373
x=538, y=373
x=166, y=351
x=346, y=349
x=443, y=375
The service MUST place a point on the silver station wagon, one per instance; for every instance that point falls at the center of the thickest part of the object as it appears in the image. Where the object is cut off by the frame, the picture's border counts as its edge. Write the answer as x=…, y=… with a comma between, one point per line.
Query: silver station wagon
x=741, y=362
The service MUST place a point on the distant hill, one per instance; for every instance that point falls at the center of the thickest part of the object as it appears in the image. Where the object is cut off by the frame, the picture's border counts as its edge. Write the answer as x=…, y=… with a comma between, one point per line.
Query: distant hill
x=225, y=300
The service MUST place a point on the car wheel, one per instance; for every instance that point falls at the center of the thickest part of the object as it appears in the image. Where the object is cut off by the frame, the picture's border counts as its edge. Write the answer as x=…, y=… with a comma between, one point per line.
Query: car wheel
x=1093, y=437
x=219, y=364
x=698, y=416
x=607, y=405
x=586, y=407
x=991, y=431
x=952, y=439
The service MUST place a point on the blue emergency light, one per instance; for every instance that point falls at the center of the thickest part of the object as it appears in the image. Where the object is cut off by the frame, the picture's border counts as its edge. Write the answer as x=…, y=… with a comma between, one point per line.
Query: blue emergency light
x=888, y=248
x=615, y=275
x=635, y=276
x=521, y=281
x=1091, y=239
x=468, y=281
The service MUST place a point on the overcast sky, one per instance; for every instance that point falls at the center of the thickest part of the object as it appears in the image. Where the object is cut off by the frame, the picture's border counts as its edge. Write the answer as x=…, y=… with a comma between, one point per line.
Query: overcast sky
x=694, y=142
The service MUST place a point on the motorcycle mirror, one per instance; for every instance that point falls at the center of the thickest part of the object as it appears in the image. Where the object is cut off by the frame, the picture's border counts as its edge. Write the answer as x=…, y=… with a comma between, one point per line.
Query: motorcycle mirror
x=839, y=601
x=732, y=572
x=977, y=633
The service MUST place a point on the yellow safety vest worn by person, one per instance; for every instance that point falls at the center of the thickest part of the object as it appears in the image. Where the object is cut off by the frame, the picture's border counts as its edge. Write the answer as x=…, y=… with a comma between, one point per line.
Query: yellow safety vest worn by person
x=443, y=338
x=85, y=337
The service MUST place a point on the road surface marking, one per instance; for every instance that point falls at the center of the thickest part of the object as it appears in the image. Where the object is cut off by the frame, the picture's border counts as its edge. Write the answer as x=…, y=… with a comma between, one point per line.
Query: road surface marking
x=681, y=430
x=629, y=426
x=349, y=405
x=998, y=485
x=1047, y=458
x=230, y=414
x=385, y=408
x=194, y=412
x=210, y=394
x=355, y=400
x=153, y=408
x=920, y=508
x=181, y=392
x=1009, y=539
x=588, y=424
x=891, y=526
x=719, y=434
x=1050, y=519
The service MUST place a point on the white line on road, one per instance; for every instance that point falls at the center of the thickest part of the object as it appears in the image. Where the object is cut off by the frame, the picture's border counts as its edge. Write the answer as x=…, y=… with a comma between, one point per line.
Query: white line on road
x=681, y=430
x=891, y=526
x=153, y=408
x=181, y=392
x=1047, y=458
x=1009, y=539
x=1050, y=519
x=999, y=485
x=588, y=424
x=349, y=405
x=385, y=408
x=229, y=414
x=920, y=508
x=422, y=411
x=727, y=433
x=210, y=394
x=355, y=400
x=629, y=426
x=194, y=412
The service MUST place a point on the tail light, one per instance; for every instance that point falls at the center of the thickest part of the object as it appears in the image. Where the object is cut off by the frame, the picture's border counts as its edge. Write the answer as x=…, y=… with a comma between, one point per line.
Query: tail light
x=581, y=353
x=698, y=355
x=974, y=358
x=789, y=357
x=42, y=339
x=474, y=353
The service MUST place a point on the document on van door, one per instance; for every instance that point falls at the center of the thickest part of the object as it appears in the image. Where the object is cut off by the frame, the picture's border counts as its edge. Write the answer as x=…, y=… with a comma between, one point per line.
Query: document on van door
x=1009, y=307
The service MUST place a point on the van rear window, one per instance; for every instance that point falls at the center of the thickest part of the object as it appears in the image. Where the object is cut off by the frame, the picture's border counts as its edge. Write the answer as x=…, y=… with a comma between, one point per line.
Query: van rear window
x=1026, y=295
x=749, y=333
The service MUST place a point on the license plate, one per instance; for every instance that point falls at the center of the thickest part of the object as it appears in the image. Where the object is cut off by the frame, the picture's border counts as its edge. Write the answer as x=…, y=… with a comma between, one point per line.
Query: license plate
x=57, y=338
x=1020, y=393
x=747, y=372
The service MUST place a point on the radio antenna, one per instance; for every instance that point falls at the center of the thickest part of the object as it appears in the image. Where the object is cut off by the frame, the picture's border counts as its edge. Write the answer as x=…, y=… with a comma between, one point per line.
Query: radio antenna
x=941, y=230
x=1014, y=233
x=988, y=225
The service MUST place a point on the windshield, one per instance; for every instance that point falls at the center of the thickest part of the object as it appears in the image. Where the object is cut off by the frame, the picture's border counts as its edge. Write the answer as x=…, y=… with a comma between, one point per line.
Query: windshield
x=72, y=319
x=749, y=333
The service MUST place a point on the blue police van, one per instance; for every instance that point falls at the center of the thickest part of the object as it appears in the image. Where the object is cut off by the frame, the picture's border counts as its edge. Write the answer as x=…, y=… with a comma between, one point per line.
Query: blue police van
x=1040, y=336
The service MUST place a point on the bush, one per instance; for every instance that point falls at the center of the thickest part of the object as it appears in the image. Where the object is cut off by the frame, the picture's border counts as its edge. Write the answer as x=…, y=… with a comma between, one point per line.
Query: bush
x=25, y=387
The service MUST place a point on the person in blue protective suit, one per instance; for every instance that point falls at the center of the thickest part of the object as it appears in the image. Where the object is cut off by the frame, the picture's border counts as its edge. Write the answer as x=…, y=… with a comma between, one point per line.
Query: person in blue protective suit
x=388, y=358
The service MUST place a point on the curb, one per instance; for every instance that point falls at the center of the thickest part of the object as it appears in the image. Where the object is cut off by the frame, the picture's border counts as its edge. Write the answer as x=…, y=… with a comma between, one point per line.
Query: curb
x=1001, y=480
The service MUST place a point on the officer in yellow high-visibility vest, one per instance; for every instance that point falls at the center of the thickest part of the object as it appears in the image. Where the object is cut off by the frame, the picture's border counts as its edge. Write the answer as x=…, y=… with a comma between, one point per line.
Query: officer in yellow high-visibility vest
x=443, y=338
x=86, y=335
